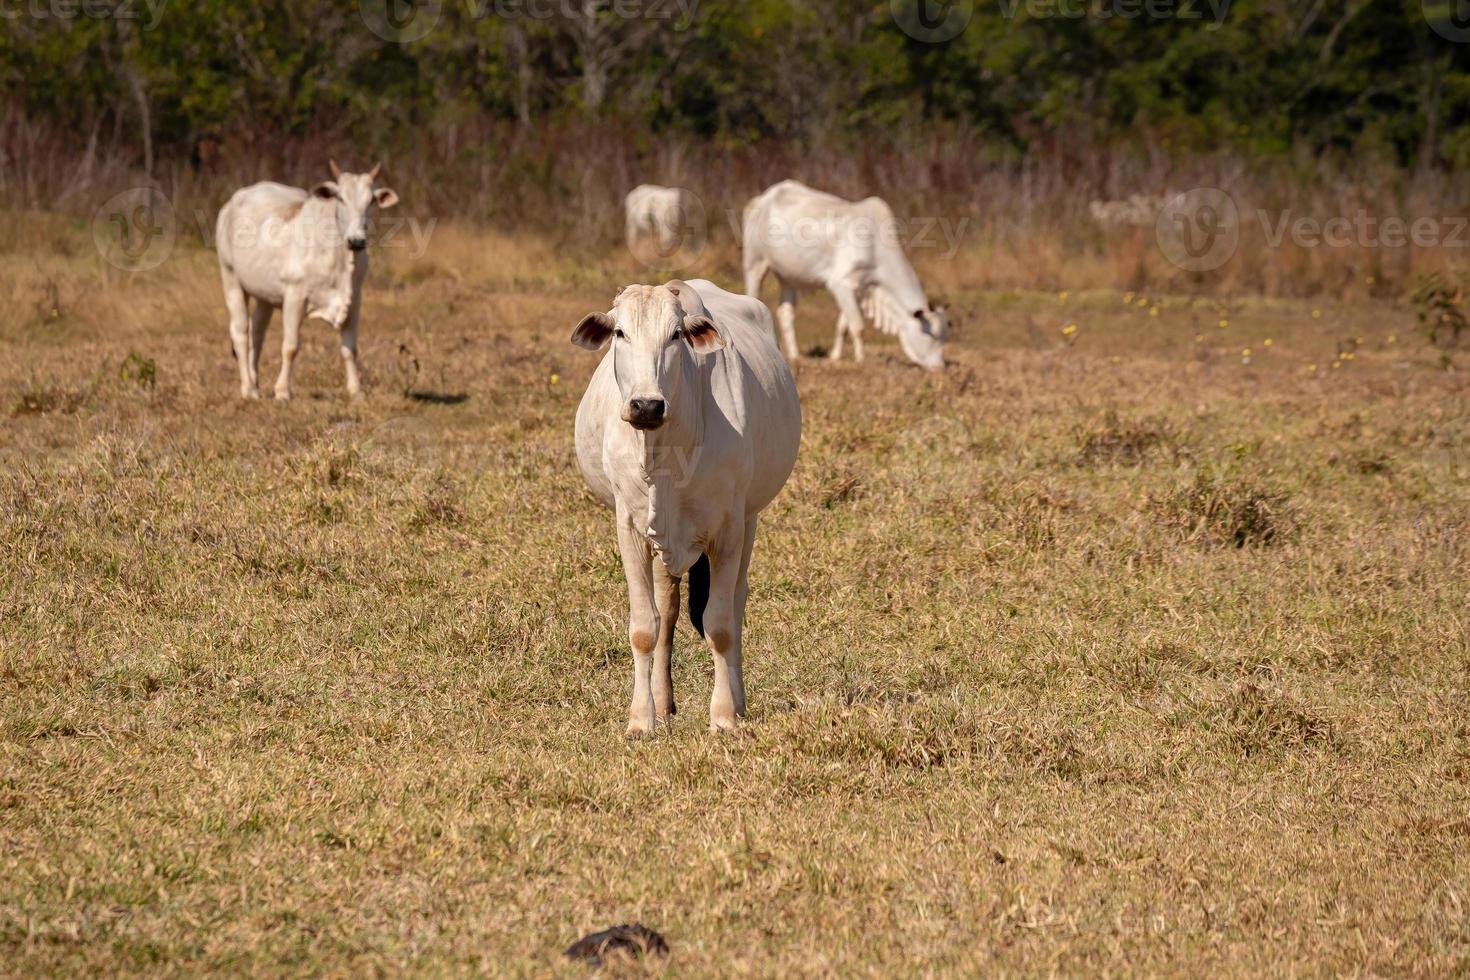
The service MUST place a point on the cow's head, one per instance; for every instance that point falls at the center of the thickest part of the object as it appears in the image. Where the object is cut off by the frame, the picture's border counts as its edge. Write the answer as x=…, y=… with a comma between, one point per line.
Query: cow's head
x=923, y=339
x=355, y=198
x=656, y=333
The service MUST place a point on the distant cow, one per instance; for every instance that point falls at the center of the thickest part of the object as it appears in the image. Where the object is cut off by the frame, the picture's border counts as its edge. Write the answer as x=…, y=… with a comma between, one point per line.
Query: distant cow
x=689, y=428
x=808, y=238
x=303, y=253
x=661, y=213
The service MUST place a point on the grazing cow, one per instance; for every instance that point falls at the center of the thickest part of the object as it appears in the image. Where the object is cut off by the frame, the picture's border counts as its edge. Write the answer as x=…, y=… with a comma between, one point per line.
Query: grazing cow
x=303, y=253
x=808, y=238
x=689, y=428
x=657, y=212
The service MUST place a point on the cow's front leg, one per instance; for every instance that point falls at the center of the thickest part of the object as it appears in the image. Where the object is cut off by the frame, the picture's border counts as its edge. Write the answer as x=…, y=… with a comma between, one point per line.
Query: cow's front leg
x=292, y=313
x=643, y=624
x=349, y=352
x=786, y=319
x=723, y=617
x=666, y=589
x=850, y=312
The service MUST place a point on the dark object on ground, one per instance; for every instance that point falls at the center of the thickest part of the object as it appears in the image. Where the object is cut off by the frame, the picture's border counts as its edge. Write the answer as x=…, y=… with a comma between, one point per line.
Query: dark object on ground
x=630, y=940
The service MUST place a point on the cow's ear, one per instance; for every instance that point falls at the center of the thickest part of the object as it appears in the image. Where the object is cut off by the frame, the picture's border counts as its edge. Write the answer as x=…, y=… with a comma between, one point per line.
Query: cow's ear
x=327, y=190
x=385, y=197
x=918, y=314
x=595, y=330
x=702, y=334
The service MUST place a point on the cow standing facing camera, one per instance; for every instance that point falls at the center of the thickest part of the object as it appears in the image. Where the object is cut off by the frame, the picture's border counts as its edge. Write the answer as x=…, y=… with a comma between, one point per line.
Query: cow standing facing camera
x=688, y=430
x=304, y=253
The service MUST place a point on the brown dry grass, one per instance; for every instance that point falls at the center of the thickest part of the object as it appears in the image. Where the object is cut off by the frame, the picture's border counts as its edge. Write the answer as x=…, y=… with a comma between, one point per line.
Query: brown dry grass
x=1101, y=652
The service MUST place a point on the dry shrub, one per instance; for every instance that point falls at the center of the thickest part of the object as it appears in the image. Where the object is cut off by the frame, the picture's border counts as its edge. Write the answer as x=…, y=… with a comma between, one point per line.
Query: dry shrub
x=1125, y=442
x=1225, y=510
x=1257, y=721
x=47, y=401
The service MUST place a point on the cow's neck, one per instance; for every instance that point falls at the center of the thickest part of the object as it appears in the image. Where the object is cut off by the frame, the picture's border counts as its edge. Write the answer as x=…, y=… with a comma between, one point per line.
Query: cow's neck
x=896, y=277
x=670, y=455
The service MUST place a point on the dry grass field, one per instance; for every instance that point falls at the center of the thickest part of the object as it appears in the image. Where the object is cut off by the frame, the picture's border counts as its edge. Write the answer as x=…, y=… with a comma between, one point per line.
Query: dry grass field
x=1114, y=650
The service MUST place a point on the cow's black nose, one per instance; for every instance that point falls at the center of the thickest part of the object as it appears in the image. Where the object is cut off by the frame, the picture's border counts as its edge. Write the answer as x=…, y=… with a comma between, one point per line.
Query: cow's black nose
x=357, y=244
x=646, y=413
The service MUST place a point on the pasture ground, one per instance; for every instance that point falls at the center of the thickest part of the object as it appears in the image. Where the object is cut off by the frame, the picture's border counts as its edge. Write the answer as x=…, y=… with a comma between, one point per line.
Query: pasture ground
x=1101, y=652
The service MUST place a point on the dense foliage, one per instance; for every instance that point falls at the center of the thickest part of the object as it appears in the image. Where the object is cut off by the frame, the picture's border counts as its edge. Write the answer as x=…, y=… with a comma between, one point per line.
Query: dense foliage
x=1264, y=77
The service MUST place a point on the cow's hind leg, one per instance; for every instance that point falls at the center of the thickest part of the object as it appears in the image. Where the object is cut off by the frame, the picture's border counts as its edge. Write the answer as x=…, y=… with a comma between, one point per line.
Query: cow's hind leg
x=643, y=624
x=837, y=340
x=260, y=321
x=239, y=309
x=723, y=624
x=666, y=591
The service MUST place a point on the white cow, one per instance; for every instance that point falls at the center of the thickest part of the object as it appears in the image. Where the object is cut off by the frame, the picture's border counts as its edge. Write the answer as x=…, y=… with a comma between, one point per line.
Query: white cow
x=303, y=253
x=808, y=238
x=657, y=212
x=689, y=428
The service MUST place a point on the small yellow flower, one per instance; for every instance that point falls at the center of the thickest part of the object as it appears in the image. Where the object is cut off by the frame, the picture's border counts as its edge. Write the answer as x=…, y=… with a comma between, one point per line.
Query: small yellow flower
x=1128, y=296
x=1142, y=301
x=1316, y=314
x=1069, y=330
x=1267, y=342
x=1199, y=338
x=1393, y=338
x=1062, y=296
x=1370, y=280
x=1246, y=352
x=1359, y=341
x=1312, y=368
x=1224, y=323
x=1336, y=365
x=1117, y=360
x=1154, y=311
x=555, y=378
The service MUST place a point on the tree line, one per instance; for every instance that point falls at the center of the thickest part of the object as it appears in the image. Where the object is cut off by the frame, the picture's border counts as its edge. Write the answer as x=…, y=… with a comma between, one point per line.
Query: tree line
x=1263, y=78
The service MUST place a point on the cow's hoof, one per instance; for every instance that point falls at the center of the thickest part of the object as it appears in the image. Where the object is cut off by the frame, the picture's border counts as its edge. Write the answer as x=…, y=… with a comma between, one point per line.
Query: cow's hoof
x=639, y=729
x=717, y=725
x=282, y=396
x=252, y=395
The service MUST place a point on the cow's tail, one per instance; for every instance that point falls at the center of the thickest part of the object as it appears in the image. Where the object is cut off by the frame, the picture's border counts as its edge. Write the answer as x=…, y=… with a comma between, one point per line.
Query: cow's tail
x=699, y=592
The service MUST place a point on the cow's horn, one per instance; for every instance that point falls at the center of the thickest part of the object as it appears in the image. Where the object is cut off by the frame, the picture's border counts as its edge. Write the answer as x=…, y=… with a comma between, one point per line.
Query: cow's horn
x=336, y=170
x=377, y=169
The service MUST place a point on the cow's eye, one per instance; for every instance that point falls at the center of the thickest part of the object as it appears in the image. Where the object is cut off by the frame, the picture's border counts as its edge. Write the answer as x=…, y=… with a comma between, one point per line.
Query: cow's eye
x=619, y=334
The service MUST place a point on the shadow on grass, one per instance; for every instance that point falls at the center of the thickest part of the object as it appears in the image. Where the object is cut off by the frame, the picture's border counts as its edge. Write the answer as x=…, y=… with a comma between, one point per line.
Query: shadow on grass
x=437, y=398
